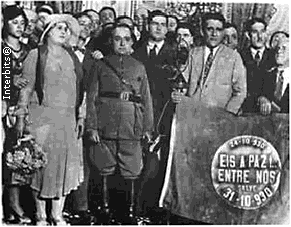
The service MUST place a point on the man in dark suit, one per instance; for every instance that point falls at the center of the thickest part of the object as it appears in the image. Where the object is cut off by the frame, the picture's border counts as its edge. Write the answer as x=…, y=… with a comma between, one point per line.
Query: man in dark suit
x=158, y=56
x=256, y=58
x=155, y=54
x=275, y=92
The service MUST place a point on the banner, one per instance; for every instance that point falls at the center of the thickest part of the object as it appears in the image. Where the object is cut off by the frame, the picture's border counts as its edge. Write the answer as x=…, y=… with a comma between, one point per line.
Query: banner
x=224, y=169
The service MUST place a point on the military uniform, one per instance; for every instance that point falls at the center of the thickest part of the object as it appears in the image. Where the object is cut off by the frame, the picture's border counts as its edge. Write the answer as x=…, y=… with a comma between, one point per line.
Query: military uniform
x=119, y=106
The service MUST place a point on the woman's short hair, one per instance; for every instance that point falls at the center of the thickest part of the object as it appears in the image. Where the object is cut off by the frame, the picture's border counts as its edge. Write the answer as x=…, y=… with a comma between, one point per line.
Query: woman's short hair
x=10, y=13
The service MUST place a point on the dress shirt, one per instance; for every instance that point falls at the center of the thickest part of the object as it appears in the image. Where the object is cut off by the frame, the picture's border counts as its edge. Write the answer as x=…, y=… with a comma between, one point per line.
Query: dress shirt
x=207, y=52
x=24, y=40
x=79, y=54
x=285, y=75
x=254, y=52
x=151, y=45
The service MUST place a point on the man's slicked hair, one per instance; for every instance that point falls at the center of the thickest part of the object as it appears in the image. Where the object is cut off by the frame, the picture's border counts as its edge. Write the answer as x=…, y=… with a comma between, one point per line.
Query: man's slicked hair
x=212, y=16
x=251, y=22
x=156, y=13
x=186, y=26
x=275, y=33
x=230, y=25
x=108, y=8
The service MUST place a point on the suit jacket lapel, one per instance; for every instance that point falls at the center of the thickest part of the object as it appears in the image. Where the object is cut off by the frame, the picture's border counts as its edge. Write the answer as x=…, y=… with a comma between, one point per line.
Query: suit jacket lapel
x=144, y=52
x=141, y=53
x=196, y=72
x=163, y=50
x=286, y=92
x=265, y=57
x=249, y=57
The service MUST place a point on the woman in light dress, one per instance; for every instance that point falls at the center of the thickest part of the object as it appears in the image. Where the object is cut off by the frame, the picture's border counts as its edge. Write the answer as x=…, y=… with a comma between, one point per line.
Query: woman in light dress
x=53, y=96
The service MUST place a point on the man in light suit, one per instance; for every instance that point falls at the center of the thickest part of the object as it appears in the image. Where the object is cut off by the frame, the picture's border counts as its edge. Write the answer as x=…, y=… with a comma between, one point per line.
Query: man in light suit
x=217, y=74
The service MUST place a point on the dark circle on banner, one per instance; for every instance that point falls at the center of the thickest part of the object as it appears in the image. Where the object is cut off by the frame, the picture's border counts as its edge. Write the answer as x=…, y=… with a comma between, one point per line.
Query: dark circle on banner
x=246, y=172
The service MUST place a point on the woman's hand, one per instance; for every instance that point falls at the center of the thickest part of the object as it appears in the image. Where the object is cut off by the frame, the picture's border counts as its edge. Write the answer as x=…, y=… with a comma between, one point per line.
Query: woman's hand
x=19, y=126
x=80, y=127
x=4, y=108
x=19, y=82
x=178, y=96
x=148, y=137
x=94, y=136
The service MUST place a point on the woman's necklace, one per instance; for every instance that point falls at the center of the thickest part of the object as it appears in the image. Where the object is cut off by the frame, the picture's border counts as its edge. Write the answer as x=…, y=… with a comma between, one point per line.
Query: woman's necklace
x=15, y=51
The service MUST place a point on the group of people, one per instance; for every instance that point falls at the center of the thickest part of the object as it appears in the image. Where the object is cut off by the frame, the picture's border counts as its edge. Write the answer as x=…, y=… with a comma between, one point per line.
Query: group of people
x=92, y=83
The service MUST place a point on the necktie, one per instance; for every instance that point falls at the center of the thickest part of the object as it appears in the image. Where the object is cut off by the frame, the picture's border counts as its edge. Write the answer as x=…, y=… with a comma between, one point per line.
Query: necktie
x=257, y=58
x=153, y=54
x=279, y=85
x=207, y=66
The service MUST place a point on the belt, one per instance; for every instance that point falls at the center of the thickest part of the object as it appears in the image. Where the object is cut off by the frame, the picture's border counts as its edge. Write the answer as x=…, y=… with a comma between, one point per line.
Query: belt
x=125, y=96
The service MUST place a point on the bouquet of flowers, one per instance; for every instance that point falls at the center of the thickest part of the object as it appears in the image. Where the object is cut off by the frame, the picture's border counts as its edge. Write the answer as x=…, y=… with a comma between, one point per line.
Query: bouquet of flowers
x=26, y=157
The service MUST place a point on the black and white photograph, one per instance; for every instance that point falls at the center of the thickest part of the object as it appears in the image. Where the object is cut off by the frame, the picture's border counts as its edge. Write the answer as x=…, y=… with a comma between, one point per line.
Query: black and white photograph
x=145, y=112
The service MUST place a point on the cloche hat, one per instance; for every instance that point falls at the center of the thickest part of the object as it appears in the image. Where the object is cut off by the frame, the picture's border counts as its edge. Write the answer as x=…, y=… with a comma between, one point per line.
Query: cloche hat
x=72, y=23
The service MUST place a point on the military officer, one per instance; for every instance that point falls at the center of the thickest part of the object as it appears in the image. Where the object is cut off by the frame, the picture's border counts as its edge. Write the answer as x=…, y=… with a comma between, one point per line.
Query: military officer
x=119, y=113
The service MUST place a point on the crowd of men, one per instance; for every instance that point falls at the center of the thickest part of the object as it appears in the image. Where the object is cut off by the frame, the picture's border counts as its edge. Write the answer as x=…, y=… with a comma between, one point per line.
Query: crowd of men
x=130, y=93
